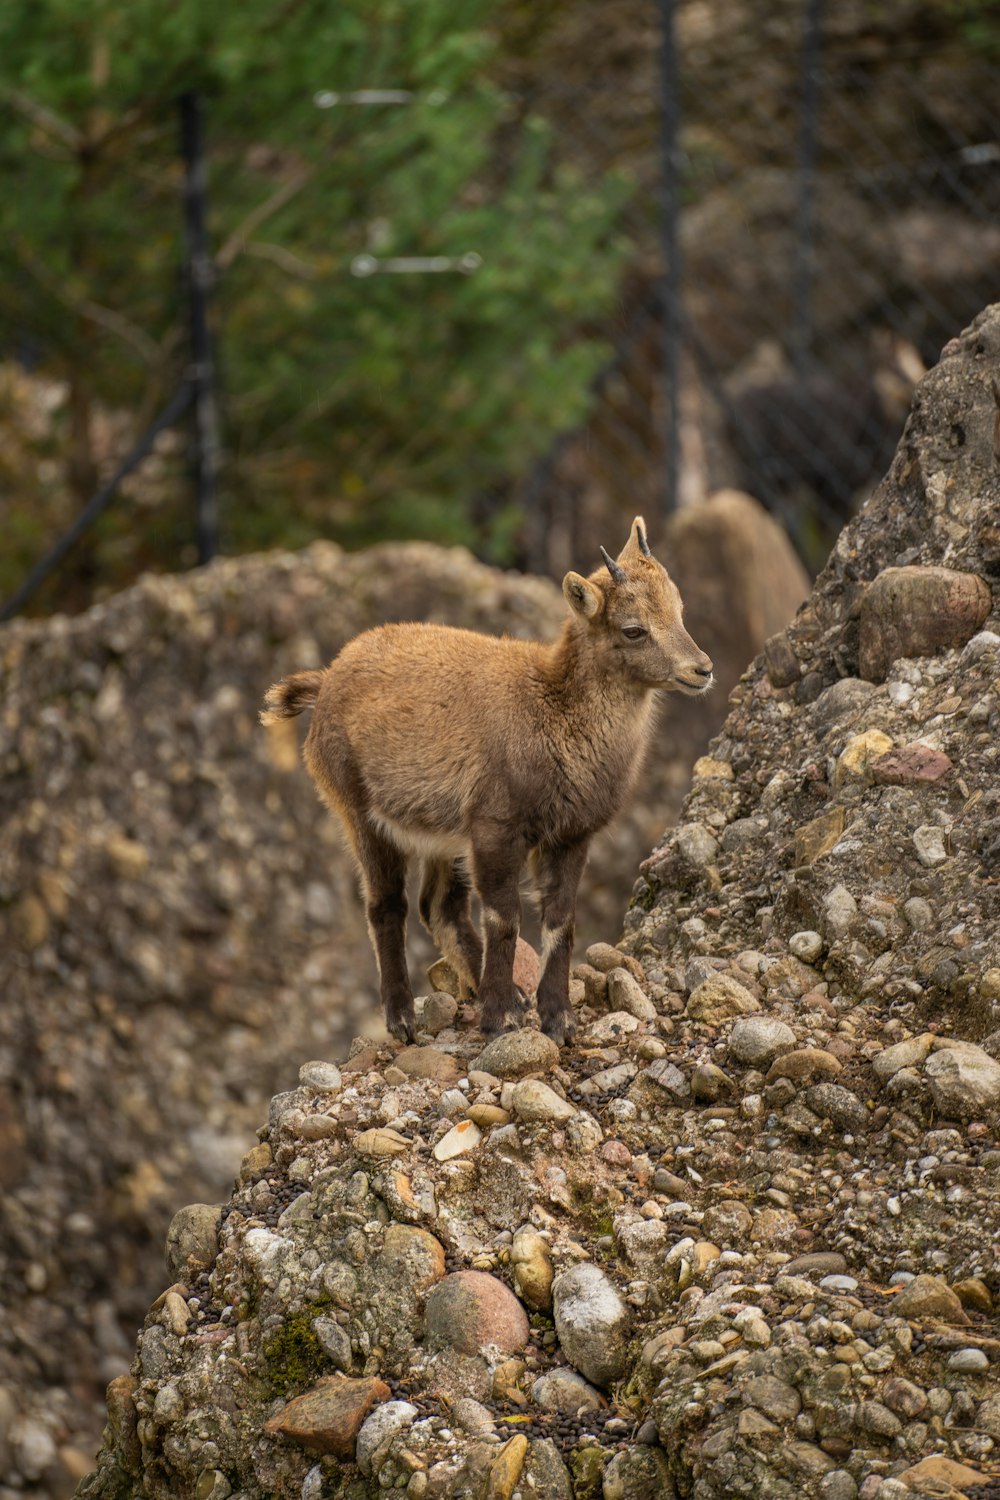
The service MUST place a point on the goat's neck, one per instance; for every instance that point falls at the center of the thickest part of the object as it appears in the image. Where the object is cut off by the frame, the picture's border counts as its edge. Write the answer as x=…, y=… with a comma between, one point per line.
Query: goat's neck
x=578, y=680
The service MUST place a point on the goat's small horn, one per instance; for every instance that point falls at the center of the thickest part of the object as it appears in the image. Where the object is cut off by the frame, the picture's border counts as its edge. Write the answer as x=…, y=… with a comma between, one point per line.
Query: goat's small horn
x=617, y=573
x=643, y=544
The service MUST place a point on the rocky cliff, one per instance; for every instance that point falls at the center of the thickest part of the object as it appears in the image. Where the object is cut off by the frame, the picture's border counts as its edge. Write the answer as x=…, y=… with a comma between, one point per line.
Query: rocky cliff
x=179, y=925
x=744, y=1238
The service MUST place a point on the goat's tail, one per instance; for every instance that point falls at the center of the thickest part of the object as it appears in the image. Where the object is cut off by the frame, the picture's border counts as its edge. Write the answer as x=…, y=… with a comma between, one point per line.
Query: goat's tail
x=290, y=696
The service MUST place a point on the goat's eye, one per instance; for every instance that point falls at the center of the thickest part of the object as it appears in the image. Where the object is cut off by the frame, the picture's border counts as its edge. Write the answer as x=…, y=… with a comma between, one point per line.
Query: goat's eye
x=634, y=632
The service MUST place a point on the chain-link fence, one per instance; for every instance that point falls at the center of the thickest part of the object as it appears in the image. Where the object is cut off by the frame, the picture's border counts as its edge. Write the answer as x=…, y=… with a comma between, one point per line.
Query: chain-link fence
x=839, y=173
x=805, y=206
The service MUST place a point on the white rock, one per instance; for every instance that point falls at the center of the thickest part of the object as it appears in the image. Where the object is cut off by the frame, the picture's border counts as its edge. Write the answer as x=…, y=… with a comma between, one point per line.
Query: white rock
x=464, y=1136
x=965, y=1083
x=806, y=946
x=611, y=1028
x=839, y=911
x=626, y=993
x=758, y=1040
x=379, y=1429
x=908, y=1054
x=592, y=1322
x=928, y=840
x=322, y=1076
x=986, y=640
x=531, y=1099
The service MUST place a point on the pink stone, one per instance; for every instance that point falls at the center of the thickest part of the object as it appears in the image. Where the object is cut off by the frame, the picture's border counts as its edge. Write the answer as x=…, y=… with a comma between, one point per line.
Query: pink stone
x=527, y=968
x=911, y=764
x=470, y=1310
x=617, y=1153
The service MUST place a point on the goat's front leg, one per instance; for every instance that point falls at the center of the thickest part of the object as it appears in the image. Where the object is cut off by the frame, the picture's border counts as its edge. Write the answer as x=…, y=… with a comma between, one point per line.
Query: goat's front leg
x=558, y=874
x=496, y=864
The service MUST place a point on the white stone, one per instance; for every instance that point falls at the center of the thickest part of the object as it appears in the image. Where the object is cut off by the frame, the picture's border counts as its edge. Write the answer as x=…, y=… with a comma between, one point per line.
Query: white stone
x=965, y=1082
x=379, y=1429
x=758, y=1040
x=806, y=946
x=464, y=1136
x=531, y=1099
x=611, y=1028
x=625, y=993
x=322, y=1076
x=592, y=1322
x=928, y=840
x=839, y=911
x=908, y=1054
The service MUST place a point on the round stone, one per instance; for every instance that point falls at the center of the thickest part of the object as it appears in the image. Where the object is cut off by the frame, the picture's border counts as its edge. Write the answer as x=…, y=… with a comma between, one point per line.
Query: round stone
x=518, y=1052
x=562, y=1389
x=758, y=1040
x=470, y=1311
x=806, y=946
x=322, y=1076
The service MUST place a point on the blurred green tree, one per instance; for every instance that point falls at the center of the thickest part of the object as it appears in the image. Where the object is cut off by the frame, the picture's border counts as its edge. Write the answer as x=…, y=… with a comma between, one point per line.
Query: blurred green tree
x=352, y=407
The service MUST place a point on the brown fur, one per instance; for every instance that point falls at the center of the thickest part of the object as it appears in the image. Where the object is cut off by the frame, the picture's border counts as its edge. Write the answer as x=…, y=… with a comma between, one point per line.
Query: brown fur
x=462, y=747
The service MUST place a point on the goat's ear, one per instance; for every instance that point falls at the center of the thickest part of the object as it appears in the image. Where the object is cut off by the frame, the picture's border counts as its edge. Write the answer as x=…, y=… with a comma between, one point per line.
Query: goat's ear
x=581, y=595
x=637, y=545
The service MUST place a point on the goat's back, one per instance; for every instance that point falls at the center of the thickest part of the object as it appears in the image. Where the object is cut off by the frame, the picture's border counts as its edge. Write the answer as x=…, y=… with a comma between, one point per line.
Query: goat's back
x=425, y=719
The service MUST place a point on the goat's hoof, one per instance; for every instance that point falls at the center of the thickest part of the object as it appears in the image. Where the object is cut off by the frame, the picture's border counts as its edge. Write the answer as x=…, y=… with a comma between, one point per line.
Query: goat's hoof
x=496, y=1025
x=402, y=1028
x=561, y=1028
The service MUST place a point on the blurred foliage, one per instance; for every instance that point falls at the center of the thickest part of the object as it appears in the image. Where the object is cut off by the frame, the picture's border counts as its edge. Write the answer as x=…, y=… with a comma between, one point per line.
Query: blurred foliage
x=352, y=407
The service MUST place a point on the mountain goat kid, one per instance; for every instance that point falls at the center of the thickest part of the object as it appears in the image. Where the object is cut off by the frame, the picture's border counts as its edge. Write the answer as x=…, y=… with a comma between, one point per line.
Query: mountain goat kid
x=474, y=752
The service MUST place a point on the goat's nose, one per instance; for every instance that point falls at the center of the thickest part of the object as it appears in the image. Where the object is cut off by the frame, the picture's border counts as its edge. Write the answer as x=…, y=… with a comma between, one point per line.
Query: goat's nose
x=705, y=669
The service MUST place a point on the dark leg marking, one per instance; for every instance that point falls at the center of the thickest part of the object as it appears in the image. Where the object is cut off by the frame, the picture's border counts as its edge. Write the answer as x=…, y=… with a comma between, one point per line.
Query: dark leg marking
x=497, y=860
x=558, y=876
x=444, y=911
x=383, y=868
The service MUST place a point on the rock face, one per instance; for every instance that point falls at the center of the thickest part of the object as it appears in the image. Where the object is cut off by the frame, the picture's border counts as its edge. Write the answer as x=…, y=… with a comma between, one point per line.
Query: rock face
x=179, y=923
x=781, y=1285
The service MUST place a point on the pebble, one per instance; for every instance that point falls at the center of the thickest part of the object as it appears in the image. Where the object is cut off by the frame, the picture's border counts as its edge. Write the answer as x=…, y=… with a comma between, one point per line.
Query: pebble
x=465, y=1136
x=720, y=998
x=806, y=946
x=968, y=1361
x=533, y=1100
x=928, y=1297
x=610, y=1028
x=439, y=1011
x=928, y=840
x=626, y=994
x=592, y=1321
x=758, y=1040
x=562, y=1389
x=325, y=1077
x=965, y=1083
x=531, y=1262
x=328, y=1417
x=838, y=1284
x=469, y=1310
x=378, y=1430
x=514, y=1053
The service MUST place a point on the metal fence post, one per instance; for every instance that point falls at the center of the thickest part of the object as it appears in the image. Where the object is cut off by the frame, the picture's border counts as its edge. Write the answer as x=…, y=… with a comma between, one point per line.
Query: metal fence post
x=200, y=275
x=670, y=243
x=805, y=201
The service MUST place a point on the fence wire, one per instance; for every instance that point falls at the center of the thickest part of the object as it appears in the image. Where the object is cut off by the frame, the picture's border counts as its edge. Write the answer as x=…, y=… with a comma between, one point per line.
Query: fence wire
x=840, y=222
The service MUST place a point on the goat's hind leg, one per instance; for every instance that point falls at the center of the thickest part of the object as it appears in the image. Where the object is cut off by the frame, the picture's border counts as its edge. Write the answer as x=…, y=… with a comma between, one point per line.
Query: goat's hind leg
x=444, y=911
x=383, y=870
